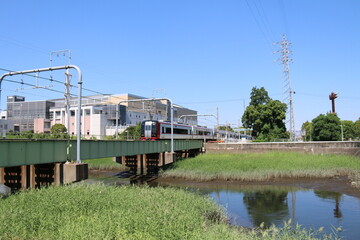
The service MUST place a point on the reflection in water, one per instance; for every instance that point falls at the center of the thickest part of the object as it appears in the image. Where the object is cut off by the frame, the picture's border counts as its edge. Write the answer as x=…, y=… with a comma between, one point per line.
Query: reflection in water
x=267, y=207
x=331, y=196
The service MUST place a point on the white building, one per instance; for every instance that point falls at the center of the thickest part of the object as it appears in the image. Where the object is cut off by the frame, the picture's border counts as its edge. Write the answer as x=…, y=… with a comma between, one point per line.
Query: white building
x=98, y=114
x=3, y=114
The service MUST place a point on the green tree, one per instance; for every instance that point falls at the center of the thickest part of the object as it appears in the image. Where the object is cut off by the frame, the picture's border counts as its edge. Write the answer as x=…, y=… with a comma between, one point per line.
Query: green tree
x=306, y=128
x=326, y=128
x=59, y=131
x=226, y=128
x=265, y=116
x=58, y=128
x=132, y=132
x=259, y=96
x=349, y=130
x=357, y=129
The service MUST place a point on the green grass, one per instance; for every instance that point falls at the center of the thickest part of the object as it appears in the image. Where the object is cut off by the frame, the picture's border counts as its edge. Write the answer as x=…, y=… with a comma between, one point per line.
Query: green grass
x=104, y=164
x=127, y=212
x=263, y=166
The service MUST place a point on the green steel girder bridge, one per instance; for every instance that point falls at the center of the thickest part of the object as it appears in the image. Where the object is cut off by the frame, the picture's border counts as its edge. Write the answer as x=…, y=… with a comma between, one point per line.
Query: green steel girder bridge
x=27, y=152
x=34, y=163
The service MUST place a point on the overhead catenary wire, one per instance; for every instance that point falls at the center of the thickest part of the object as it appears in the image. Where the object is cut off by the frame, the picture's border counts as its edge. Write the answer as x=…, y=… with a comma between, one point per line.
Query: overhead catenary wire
x=100, y=93
x=72, y=95
x=31, y=85
x=26, y=93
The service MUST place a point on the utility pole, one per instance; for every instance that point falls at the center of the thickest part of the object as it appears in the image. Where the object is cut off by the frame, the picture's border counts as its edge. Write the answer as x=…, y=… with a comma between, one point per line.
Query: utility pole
x=342, y=132
x=217, y=122
x=286, y=84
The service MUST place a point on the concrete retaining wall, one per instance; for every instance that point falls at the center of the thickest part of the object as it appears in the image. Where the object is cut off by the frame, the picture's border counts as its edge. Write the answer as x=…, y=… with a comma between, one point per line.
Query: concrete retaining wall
x=350, y=148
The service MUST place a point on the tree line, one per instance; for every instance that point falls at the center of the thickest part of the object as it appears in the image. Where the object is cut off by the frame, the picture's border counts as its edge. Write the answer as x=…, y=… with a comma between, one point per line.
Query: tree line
x=266, y=119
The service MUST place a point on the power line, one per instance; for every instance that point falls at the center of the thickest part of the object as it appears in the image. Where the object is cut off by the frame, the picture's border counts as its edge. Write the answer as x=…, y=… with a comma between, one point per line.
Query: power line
x=264, y=20
x=22, y=44
x=259, y=25
x=214, y=101
x=282, y=8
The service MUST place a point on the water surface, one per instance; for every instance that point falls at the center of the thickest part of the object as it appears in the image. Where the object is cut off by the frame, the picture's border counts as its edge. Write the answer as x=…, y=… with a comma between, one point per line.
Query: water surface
x=252, y=205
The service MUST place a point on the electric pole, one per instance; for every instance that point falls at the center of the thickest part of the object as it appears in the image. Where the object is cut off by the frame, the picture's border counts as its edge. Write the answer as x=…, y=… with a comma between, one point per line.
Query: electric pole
x=287, y=91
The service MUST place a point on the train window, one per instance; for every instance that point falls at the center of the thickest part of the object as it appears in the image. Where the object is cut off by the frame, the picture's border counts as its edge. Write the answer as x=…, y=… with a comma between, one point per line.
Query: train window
x=147, y=127
x=168, y=130
x=180, y=131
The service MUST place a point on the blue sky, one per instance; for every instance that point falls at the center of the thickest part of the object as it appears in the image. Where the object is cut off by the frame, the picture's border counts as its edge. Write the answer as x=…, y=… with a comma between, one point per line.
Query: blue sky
x=201, y=54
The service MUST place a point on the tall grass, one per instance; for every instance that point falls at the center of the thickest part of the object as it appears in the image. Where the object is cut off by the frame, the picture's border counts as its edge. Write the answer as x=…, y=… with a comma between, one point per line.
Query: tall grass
x=104, y=164
x=263, y=166
x=127, y=212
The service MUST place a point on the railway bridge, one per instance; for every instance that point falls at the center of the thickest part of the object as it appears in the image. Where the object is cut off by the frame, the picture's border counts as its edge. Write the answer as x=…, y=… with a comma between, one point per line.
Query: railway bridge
x=33, y=163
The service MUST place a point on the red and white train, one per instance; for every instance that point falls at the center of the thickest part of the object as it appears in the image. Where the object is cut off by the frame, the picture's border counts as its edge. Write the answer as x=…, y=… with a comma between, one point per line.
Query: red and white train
x=155, y=130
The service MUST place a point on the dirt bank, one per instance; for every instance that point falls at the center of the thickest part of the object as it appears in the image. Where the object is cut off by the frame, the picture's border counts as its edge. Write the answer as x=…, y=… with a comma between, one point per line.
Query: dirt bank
x=336, y=184
x=341, y=184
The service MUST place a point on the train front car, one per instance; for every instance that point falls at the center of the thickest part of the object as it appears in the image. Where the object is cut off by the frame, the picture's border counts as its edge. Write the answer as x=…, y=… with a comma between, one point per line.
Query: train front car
x=149, y=130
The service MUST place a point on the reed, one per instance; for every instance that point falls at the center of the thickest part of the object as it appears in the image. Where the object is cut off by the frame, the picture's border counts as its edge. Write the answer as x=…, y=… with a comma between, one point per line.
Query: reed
x=263, y=166
x=104, y=164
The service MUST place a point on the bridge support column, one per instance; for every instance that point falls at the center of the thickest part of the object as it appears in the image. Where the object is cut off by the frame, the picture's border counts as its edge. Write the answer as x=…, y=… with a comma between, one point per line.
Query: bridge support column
x=140, y=162
x=161, y=159
x=27, y=176
x=58, y=174
x=74, y=172
x=24, y=176
x=170, y=157
x=2, y=173
x=31, y=176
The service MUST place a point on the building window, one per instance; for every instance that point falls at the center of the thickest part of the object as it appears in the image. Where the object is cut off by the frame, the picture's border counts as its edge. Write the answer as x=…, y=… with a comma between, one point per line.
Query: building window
x=72, y=113
x=87, y=112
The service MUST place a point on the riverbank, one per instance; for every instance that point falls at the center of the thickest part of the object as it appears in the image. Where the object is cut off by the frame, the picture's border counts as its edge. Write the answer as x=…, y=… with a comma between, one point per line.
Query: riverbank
x=127, y=212
x=260, y=167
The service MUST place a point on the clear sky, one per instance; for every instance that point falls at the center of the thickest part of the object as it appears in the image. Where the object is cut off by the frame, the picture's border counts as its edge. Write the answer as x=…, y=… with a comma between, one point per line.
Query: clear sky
x=202, y=54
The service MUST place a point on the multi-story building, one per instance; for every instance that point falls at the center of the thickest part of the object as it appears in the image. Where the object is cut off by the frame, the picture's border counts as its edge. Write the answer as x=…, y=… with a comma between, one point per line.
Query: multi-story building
x=23, y=113
x=98, y=113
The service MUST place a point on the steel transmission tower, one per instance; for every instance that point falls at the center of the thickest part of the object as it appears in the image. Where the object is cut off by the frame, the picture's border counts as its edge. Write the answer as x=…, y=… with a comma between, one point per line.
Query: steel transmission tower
x=287, y=91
